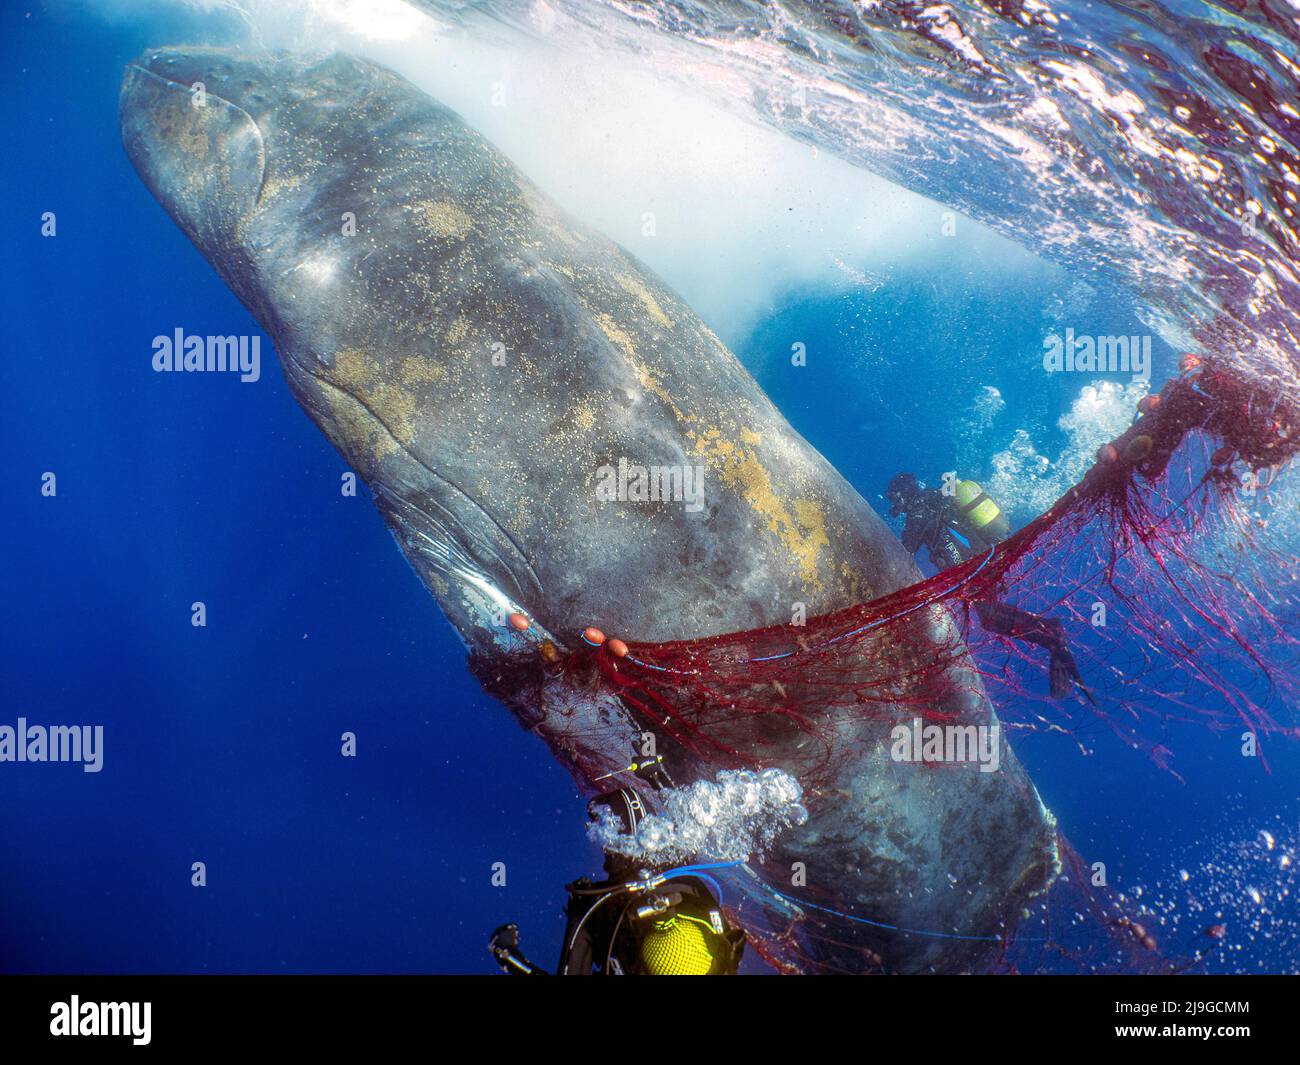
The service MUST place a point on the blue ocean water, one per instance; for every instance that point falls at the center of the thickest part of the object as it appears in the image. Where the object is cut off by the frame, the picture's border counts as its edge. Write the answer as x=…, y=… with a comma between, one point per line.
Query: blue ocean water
x=223, y=742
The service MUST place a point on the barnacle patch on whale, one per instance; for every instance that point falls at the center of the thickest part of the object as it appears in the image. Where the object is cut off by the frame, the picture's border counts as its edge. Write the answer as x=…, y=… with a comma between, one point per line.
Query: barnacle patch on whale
x=355, y=373
x=441, y=218
x=803, y=533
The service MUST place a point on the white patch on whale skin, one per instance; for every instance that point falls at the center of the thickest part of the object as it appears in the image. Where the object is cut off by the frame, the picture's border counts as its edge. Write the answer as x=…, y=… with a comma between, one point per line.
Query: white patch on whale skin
x=427, y=542
x=734, y=819
x=319, y=268
x=486, y=606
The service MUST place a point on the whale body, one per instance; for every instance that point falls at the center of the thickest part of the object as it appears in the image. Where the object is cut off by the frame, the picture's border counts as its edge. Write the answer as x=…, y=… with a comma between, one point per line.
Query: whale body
x=479, y=357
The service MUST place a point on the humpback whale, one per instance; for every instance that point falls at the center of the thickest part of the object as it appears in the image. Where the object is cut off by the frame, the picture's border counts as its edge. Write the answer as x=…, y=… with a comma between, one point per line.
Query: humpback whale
x=477, y=356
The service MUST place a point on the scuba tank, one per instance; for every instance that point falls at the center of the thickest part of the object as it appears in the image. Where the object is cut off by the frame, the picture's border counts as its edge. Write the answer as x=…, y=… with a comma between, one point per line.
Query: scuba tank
x=685, y=943
x=980, y=516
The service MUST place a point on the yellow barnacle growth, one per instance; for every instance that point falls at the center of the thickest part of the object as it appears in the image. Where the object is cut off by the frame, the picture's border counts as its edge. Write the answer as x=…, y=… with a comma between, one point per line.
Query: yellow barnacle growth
x=441, y=218
x=457, y=331
x=395, y=407
x=374, y=415
x=803, y=532
x=278, y=182
x=185, y=128
x=584, y=415
x=617, y=334
x=353, y=429
x=416, y=369
x=636, y=288
x=649, y=382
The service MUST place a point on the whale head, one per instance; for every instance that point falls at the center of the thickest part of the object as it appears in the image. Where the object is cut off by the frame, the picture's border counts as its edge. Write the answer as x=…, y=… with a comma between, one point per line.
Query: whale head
x=218, y=137
x=197, y=147
x=271, y=165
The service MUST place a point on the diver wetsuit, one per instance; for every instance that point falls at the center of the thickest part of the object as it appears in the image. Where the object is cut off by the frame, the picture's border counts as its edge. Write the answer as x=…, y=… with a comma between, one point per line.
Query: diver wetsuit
x=933, y=521
x=930, y=522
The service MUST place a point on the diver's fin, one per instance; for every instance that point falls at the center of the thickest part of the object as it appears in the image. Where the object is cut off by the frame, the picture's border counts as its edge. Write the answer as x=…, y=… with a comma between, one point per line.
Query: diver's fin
x=1064, y=677
x=1058, y=672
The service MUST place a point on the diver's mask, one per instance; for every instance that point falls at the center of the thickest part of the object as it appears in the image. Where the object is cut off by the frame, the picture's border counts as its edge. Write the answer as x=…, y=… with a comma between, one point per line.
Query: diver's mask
x=902, y=492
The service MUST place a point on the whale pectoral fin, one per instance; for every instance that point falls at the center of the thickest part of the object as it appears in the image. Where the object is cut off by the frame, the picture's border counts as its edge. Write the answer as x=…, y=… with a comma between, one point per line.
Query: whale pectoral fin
x=202, y=156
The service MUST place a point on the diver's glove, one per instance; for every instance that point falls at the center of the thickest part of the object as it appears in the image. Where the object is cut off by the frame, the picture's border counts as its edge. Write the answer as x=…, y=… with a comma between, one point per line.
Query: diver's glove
x=504, y=938
x=504, y=946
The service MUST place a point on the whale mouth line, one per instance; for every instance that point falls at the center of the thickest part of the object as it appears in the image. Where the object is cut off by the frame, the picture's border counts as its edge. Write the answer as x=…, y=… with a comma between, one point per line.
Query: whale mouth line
x=440, y=477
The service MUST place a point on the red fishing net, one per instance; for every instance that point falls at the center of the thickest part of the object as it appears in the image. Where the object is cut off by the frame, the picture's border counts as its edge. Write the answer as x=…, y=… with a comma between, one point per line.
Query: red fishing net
x=1152, y=568
x=1152, y=560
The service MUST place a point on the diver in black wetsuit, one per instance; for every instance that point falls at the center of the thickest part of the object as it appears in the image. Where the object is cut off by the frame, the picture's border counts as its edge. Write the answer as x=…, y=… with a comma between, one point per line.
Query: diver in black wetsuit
x=958, y=527
x=633, y=922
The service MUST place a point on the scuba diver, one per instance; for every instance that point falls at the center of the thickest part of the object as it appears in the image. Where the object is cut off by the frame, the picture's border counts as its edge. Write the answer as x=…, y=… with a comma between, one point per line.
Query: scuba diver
x=954, y=528
x=635, y=922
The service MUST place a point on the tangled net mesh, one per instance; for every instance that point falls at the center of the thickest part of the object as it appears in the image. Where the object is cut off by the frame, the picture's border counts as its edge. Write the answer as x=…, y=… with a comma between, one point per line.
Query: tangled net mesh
x=1176, y=608
x=1156, y=560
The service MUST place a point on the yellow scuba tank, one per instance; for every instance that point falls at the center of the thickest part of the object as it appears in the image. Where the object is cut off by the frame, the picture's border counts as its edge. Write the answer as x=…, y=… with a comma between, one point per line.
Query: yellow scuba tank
x=980, y=514
x=677, y=946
